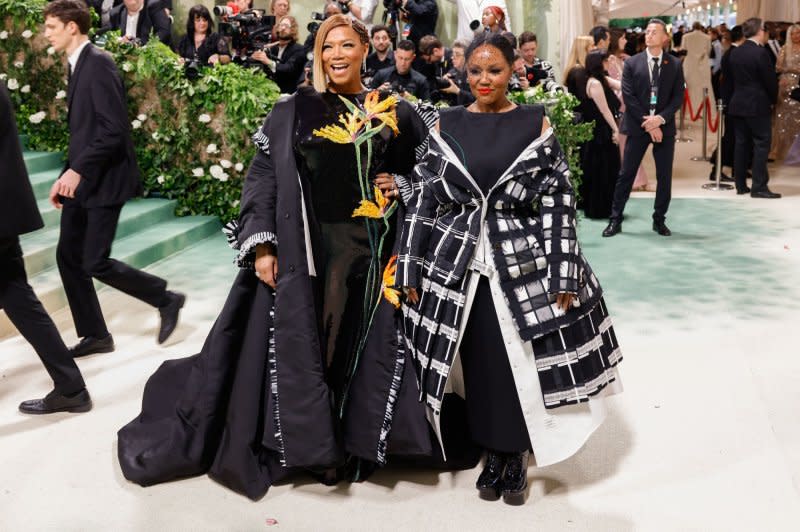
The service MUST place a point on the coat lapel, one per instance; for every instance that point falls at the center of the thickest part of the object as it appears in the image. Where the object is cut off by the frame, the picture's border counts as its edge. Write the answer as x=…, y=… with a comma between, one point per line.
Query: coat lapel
x=73, y=78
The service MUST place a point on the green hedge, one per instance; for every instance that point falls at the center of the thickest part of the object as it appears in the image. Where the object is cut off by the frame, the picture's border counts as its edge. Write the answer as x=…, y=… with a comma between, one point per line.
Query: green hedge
x=192, y=138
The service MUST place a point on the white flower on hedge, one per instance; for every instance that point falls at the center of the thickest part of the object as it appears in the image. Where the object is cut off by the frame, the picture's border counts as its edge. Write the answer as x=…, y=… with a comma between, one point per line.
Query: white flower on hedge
x=51, y=51
x=204, y=118
x=198, y=172
x=127, y=67
x=141, y=118
x=27, y=34
x=161, y=179
x=60, y=95
x=13, y=84
x=235, y=203
x=225, y=163
x=136, y=124
x=212, y=148
x=36, y=118
x=3, y=75
x=3, y=35
x=217, y=172
x=155, y=135
x=19, y=64
x=244, y=121
x=239, y=167
x=25, y=89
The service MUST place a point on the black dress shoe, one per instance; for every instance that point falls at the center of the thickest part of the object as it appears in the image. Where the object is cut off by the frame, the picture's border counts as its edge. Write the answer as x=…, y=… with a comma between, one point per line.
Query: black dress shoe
x=515, y=479
x=55, y=402
x=490, y=481
x=612, y=229
x=765, y=194
x=89, y=345
x=745, y=190
x=169, y=315
x=661, y=228
x=723, y=177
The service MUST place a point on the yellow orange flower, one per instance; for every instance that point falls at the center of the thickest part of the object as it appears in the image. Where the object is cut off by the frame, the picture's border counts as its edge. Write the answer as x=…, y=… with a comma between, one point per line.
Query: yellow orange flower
x=392, y=295
x=383, y=110
x=372, y=209
x=342, y=135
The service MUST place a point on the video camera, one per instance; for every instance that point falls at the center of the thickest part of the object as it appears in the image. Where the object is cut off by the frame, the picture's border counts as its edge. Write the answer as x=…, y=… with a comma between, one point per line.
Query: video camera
x=534, y=75
x=248, y=31
x=313, y=26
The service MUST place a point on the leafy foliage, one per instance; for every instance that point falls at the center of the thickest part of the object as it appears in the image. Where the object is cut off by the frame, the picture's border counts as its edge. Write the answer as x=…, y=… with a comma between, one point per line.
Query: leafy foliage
x=560, y=111
x=192, y=138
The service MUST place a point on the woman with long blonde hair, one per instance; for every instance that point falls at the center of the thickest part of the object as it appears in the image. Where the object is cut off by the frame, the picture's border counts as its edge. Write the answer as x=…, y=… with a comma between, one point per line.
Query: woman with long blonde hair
x=786, y=126
x=303, y=369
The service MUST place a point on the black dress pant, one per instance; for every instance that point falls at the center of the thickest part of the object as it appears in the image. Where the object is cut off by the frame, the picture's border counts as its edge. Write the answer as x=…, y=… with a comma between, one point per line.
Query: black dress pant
x=83, y=253
x=753, y=138
x=635, y=148
x=28, y=315
x=728, y=142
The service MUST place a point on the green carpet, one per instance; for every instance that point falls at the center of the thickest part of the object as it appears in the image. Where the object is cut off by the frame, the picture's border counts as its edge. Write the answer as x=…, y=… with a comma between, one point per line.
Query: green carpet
x=725, y=257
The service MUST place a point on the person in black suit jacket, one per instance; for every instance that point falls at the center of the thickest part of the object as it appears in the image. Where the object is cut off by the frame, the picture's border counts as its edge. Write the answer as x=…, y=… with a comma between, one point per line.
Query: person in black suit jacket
x=421, y=15
x=755, y=91
x=19, y=215
x=100, y=175
x=725, y=92
x=152, y=17
x=286, y=57
x=652, y=88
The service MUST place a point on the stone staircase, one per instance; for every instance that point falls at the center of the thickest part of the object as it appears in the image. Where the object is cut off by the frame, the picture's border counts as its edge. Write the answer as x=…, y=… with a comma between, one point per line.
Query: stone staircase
x=148, y=231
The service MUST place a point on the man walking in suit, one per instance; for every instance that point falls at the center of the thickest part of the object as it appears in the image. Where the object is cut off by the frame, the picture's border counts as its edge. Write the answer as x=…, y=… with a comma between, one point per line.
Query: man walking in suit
x=652, y=88
x=19, y=215
x=101, y=175
x=755, y=91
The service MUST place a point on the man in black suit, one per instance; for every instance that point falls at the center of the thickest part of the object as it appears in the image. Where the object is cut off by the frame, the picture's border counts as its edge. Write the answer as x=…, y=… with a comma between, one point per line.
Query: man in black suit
x=725, y=93
x=137, y=18
x=19, y=215
x=652, y=87
x=286, y=57
x=100, y=176
x=755, y=91
x=421, y=16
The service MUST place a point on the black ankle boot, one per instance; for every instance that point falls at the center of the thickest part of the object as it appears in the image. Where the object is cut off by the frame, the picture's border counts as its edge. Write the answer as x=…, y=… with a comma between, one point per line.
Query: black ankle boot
x=489, y=482
x=515, y=479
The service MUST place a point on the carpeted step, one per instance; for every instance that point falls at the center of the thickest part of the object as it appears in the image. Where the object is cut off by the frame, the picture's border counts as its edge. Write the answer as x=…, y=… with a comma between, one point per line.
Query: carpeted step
x=42, y=181
x=40, y=247
x=140, y=249
x=39, y=161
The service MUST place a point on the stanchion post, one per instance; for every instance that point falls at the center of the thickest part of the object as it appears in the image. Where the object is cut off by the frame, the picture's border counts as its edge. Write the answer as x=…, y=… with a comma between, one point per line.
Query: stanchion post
x=718, y=169
x=704, y=119
x=682, y=126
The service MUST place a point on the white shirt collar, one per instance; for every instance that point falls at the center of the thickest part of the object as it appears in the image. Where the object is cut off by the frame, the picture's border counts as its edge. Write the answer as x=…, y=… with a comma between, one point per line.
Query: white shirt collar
x=755, y=41
x=73, y=57
x=651, y=56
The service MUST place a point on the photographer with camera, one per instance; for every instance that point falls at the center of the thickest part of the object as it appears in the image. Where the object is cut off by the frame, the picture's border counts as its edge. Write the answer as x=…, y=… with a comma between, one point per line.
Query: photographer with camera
x=537, y=71
x=201, y=46
x=434, y=61
x=458, y=92
x=401, y=78
x=284, y=58
x=420, y=16
x=135, y=19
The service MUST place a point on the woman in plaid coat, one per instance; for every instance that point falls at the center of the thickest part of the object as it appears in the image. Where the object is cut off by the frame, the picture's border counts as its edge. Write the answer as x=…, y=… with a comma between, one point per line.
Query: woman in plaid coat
x=501, y=305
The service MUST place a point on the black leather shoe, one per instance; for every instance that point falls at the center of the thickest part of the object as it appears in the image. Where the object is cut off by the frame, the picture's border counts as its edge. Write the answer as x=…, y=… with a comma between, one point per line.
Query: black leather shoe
x=490, y=481
x=612, y=229
x=515, y=479
x=89, y=345
x=661, y=228
x=723, y=177
x=55, y=402
x=169, y=315
x=745, y=190
x=765, y=194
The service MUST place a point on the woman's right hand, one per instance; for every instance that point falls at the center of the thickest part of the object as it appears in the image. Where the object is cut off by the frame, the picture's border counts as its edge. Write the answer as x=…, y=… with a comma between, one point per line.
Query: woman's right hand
x=266, y=265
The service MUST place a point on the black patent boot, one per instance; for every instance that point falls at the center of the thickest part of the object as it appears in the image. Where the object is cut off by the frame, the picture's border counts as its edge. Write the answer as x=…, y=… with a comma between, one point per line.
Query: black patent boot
x=490, y=481
x=515, y=479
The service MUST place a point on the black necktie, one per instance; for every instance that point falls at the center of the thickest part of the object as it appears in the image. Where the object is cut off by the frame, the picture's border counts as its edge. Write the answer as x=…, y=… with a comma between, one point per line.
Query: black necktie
x=656, y=72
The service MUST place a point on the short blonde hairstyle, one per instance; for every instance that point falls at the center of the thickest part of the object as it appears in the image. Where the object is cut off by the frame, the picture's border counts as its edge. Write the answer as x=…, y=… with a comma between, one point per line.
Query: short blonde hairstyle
x=336, y=21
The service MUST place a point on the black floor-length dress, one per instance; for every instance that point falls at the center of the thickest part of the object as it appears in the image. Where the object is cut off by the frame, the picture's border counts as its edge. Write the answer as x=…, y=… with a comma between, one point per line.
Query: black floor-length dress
x=600, y=159
x=246, y=409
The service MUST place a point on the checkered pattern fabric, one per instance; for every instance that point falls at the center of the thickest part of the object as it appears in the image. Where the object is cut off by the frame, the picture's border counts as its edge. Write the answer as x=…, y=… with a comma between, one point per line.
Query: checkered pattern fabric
x=530, y=218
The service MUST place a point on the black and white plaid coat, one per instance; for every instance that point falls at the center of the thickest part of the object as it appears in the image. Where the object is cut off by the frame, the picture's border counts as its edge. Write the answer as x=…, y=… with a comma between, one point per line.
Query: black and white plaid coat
x=530, y=218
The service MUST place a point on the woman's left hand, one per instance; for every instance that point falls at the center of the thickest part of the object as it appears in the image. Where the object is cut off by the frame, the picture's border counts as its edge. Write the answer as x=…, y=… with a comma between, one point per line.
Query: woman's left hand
x=213, y=60
x=564, y=301
x=388, y=187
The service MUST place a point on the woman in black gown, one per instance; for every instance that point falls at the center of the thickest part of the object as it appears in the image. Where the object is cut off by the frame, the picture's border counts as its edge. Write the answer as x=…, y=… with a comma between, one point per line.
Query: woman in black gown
x=498, y=290
x=600, y=159
x=201, y=43
x=303, y=367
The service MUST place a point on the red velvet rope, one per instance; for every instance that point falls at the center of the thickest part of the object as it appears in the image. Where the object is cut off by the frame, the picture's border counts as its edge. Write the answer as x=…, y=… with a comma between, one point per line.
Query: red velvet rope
x=687, y=104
